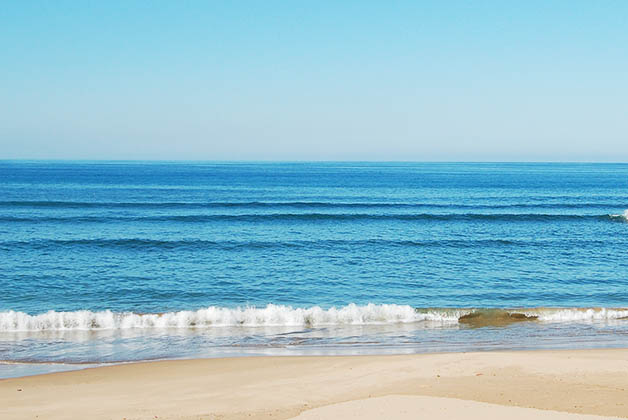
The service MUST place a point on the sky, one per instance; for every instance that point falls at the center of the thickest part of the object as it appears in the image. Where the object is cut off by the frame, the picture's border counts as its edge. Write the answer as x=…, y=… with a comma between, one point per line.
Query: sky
x=315, y=80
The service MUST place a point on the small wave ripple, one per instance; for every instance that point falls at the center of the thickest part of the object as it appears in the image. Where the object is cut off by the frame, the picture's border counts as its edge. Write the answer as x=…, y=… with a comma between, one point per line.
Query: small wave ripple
x=305, y=217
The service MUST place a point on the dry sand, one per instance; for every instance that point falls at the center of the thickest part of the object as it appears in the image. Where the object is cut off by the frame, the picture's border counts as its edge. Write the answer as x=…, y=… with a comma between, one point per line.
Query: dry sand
x=366, y=387
x=413, y=407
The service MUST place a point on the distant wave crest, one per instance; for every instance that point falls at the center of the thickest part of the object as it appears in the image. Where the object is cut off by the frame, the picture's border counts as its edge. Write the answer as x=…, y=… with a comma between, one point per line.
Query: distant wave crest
x=280, y=315
x=623, y=217
x=610, y=202
x=311, y=217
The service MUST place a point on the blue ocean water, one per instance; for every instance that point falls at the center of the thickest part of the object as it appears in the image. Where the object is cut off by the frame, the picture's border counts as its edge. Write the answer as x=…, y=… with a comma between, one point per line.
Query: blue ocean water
x=142, y=260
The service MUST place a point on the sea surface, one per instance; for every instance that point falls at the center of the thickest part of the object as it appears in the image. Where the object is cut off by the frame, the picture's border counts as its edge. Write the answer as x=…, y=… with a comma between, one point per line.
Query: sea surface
x=108, y=262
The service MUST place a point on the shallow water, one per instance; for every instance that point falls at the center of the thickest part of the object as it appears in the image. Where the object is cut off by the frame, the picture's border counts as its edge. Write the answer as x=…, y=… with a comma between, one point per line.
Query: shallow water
x=109, y=262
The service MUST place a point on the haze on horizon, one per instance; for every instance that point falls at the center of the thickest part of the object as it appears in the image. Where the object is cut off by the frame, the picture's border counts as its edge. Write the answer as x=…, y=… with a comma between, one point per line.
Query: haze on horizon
x=356, y=80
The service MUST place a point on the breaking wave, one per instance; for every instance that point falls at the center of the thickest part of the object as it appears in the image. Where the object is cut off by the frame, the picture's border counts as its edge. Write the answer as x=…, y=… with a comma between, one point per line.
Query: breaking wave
x=213, y=316
x=279, y=315
x=623, y=217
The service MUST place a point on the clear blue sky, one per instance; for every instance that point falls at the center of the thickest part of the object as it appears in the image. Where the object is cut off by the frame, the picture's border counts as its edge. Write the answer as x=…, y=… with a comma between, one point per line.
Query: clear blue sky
x=317, y=80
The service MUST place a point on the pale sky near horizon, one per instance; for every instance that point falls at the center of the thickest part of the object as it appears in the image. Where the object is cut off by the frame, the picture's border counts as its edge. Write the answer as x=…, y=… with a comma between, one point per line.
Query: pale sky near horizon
x=325, y=80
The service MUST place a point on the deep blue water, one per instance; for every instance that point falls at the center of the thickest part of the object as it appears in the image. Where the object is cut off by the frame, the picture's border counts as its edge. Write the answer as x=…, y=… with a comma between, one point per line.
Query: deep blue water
x=152, y=238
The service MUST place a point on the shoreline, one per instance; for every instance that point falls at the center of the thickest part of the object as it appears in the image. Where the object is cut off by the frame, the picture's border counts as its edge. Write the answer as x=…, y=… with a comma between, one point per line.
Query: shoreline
x=593, y=382
x=43, y=367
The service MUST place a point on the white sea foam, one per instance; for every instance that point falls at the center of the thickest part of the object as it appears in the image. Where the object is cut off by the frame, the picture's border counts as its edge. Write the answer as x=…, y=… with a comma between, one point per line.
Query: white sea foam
x=578, y=314
x=274, y=316
x=624, y=215
x=271, y=315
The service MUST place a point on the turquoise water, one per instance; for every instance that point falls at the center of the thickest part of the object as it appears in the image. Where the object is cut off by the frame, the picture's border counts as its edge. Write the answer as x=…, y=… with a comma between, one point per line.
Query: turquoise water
x=107, y=262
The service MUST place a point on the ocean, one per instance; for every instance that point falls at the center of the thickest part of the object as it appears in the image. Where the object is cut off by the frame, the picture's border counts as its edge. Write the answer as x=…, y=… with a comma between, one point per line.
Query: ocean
x=109, y=262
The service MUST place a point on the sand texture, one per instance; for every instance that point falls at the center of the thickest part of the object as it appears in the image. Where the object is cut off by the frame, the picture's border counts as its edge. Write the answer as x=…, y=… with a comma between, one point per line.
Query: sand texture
x=412, y=407
x=591, y=382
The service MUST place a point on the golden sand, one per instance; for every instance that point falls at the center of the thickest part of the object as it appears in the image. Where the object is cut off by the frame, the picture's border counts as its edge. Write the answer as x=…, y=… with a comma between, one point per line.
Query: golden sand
x=468, y=385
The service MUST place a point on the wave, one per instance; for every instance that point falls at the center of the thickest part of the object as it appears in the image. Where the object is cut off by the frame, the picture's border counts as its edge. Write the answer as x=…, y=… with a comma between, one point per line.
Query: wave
x=228, y=245
x=282, y=316
x=291, y=204
x=487, y=217
x=213, y=316
x=622, y=217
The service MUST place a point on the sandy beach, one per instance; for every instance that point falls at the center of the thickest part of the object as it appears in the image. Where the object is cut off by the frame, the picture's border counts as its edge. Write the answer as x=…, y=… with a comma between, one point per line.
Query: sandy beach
x=581, y=384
